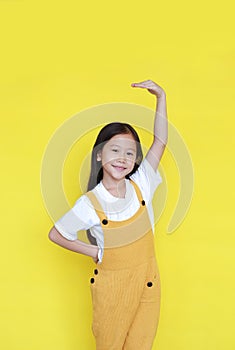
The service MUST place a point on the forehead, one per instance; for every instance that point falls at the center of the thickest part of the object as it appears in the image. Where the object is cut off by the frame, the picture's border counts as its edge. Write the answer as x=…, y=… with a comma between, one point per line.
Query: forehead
x=123, y=139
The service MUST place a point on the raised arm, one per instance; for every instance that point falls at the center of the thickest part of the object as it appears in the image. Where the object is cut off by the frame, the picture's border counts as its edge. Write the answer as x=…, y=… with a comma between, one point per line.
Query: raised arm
x=160, y=139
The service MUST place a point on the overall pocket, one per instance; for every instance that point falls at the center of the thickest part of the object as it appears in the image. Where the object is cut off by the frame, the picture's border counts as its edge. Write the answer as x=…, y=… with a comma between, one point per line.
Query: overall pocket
x=152, y=284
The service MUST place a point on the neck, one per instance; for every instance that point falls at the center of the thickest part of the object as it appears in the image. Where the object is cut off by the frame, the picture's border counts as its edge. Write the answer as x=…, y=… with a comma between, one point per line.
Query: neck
x=116, y=188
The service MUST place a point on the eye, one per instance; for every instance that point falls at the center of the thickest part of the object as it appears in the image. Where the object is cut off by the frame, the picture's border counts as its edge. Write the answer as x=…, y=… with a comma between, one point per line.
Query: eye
x=130, y=154
x=114, y=150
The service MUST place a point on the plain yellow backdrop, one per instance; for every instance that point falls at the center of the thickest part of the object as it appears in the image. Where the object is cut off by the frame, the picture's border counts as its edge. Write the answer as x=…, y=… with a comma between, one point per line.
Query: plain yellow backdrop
x=60, y=57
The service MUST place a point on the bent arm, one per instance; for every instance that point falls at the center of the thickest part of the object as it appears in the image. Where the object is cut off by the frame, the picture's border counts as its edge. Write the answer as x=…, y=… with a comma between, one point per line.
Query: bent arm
x=75, y=246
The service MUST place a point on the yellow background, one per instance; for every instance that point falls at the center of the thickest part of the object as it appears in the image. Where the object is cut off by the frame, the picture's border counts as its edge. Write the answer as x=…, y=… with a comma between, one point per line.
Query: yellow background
x=59, y=57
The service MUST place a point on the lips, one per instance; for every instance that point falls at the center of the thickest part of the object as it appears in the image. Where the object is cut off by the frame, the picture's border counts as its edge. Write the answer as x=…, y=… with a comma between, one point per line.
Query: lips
x=119, y=168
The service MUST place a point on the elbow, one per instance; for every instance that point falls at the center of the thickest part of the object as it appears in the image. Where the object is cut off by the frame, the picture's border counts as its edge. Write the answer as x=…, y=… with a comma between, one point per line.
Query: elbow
x=52, y=234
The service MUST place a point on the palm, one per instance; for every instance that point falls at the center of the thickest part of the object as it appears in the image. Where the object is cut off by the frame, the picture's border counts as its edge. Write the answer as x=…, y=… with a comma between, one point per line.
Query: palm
x=151, y=91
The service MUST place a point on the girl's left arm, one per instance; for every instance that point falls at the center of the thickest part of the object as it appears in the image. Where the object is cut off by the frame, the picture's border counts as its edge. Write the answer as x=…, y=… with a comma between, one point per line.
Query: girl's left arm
x=158, y=146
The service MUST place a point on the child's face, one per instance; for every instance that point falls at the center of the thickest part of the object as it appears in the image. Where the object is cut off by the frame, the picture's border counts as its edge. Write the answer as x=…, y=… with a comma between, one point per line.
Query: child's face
x=118, y=156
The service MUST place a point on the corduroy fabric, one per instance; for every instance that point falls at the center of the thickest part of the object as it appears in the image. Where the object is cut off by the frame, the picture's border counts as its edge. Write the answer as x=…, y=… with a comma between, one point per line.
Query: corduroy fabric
x=125, y=287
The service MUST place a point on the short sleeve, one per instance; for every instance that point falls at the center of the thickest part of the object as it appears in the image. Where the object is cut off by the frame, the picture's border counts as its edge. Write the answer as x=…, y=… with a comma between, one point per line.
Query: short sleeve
x=81, y=216
x=147, y=179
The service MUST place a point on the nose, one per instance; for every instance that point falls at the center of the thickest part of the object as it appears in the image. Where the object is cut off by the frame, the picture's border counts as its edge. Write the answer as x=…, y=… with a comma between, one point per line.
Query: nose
x=122, y=157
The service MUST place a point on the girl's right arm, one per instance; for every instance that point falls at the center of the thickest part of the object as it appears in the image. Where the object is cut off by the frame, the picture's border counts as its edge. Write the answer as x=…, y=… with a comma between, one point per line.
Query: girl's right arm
x=76, y=245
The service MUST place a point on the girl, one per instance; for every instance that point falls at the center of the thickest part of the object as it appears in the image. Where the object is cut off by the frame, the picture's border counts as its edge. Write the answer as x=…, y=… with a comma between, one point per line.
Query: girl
x=117, y=213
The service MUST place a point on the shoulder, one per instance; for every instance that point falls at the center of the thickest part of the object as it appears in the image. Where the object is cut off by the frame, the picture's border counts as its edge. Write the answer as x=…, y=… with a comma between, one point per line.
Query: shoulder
x=82, y=201
x=84, y=209
x=146, y=172
x=147, y=179
x=81, y=216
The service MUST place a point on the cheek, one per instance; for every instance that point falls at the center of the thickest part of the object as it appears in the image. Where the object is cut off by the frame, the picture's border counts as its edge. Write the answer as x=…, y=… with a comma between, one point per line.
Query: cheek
x=132, y=160
x=106, y=159
x=131, y=163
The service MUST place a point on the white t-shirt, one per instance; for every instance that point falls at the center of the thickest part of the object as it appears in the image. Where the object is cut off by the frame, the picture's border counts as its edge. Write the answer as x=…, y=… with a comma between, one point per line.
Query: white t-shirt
x=82, y=216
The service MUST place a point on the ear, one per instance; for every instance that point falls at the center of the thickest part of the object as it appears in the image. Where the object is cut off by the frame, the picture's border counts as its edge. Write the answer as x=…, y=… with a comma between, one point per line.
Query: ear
x=98, y=156
x=138, y=160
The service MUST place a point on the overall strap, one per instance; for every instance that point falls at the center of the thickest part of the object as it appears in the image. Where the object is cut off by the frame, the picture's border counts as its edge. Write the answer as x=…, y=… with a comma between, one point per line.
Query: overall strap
x=138, y=192
x=124, y=232
x=96, y=204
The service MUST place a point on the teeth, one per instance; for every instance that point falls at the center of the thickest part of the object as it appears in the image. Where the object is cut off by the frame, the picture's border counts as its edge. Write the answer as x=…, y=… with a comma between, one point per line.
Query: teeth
x=119, y=167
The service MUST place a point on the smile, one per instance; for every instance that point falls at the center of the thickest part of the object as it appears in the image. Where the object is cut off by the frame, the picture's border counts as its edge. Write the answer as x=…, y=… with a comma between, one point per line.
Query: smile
x=119, y=168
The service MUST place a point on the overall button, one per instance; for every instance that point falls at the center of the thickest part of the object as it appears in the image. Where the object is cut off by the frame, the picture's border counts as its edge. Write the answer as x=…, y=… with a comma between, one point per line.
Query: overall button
x=149, y=284
x=92, y=280
x=96, y=272
x=143, y=202
x=104, y=222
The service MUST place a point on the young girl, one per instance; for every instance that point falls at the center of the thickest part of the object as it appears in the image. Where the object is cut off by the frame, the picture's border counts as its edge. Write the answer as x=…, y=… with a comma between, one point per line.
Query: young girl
x=117, y=213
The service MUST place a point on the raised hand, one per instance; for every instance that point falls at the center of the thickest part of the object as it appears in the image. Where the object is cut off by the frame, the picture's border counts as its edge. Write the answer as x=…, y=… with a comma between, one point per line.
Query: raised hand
x=152, y=87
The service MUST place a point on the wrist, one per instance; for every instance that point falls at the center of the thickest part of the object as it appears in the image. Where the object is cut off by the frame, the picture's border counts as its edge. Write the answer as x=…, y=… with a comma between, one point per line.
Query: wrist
x=95, y=256
x=95, y=252
x=161, y=95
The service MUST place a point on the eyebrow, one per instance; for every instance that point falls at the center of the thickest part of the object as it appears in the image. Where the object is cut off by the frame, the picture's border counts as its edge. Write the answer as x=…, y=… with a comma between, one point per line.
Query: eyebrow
x=113, y=144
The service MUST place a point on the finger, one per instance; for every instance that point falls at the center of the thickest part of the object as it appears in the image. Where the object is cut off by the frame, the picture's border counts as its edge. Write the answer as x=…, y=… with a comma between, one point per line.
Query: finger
x=141, y=83
x=146, y=83
x=144, y=86
x=138, y=85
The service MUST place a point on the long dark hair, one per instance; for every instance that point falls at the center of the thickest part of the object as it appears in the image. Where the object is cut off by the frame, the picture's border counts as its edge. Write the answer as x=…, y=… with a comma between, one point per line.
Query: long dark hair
x=105, y=134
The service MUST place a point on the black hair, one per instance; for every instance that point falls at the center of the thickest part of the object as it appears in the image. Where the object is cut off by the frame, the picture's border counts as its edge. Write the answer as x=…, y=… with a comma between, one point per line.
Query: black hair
x=106, y=133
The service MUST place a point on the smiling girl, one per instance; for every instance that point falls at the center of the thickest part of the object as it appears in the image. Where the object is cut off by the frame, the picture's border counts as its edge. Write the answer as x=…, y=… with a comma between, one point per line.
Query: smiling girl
x=117, y=213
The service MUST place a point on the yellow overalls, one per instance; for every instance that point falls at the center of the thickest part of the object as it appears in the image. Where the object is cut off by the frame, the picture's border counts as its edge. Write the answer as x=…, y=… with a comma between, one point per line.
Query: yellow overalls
x=125, y=286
